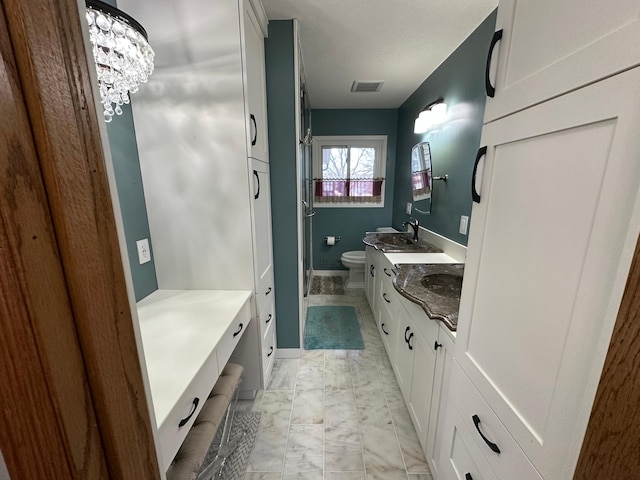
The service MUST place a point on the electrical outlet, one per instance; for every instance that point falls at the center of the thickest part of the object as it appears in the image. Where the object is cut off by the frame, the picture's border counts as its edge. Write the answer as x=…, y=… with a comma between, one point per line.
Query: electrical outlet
x=408, y=210
x=144, y=252
x=464, y=224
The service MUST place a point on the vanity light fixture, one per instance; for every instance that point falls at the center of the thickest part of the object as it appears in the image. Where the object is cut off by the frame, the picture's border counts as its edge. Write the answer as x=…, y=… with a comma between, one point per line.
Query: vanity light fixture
x=433, y=114
x=122, y=54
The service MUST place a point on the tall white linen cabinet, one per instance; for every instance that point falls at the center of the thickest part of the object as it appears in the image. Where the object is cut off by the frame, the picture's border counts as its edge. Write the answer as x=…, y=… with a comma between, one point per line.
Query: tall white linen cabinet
x=202, y=140
x=554, y=223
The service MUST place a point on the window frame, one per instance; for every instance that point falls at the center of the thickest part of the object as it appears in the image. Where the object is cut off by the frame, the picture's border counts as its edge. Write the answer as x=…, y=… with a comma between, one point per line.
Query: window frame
x=379, y=142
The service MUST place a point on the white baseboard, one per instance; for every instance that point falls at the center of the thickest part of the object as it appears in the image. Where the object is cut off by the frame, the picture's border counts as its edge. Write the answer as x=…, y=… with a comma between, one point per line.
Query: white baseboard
x=288, y=353
x=331, y=273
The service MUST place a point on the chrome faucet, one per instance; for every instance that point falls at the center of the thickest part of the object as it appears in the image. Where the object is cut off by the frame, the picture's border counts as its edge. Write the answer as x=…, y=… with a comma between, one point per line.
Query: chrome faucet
x=414, y=224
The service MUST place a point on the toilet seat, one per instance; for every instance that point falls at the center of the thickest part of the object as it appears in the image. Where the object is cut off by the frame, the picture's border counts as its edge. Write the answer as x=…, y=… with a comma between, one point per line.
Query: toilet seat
x=355, y=256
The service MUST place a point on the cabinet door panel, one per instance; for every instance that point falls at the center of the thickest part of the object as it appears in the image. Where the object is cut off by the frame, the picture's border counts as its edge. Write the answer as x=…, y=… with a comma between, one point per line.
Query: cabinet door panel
x=403, y=364
x=549, y=250
x=263, y=255
x=422, y=385
x=549, y=48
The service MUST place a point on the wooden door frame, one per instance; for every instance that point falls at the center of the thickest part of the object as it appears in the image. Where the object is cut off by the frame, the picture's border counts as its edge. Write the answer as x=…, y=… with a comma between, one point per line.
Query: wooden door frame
x=68, y=191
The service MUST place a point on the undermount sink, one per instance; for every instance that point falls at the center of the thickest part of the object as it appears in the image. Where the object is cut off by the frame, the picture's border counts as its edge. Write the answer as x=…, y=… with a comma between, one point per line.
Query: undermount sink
x=443, y=284
x=396, y=240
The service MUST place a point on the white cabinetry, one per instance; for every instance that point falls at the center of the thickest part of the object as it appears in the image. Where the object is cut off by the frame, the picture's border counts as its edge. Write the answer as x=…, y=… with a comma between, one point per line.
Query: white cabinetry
x=371, y=257
x=388, y=306
x=549, y=48
x=549, y=250
x=255, y=30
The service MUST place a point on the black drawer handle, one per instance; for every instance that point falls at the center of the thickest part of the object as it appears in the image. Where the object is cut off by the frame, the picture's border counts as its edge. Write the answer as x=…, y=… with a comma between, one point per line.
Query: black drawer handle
x=406, y=330
x=409, y=341
x=384, y=295
x=235, y=334
x=268, y=291
x=382, y=327
x=482, y=151
x=255, y=197
x=371, y=269
x=491, y=90
x=270, y=352
x=386, y=272
x=468, y=477
x=268, y=319
x=254, y=140
x=492, y=446
x=184, y=421
x=436, y=345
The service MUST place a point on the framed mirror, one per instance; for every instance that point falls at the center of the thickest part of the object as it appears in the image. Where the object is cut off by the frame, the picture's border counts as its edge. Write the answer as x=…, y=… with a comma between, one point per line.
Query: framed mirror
x=421, y=178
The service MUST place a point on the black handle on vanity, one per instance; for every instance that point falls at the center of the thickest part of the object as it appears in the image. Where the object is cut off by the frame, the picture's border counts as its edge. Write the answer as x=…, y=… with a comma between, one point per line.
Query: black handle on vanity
x=492, y=446
x=384, y=295
x=270, y=352
x=255, y=172
x=235, y=334
x=436, y=345
x=482, y=151
x=268, y=291
x=386, y=272
x=491, y=90
x=409, y=341
x=184, y=421
x=254, y=140
x=382, y=327
x=468, y=476
x=406, y=330
x=268, y=319
x=371, y=269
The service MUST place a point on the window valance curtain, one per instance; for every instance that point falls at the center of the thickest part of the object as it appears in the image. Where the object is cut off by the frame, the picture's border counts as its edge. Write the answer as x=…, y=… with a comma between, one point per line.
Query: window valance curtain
x=348, y=190
x=420, y=182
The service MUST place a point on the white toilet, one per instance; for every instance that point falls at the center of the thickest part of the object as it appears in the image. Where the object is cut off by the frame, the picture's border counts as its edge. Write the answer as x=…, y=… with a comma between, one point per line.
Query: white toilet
x=354, y=261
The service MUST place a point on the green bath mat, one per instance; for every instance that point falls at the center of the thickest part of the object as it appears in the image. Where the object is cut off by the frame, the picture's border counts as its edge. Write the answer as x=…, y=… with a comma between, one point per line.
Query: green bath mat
x=332, y=328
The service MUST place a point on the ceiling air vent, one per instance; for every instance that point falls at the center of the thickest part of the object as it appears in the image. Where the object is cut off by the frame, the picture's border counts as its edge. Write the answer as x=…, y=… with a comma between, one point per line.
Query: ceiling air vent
x=366, y=86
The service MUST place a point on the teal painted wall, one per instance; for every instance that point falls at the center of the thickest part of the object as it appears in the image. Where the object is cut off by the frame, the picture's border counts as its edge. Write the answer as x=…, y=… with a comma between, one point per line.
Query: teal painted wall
x=281, y=117
x=460, y=82
x=351, y=223
x=126, y=165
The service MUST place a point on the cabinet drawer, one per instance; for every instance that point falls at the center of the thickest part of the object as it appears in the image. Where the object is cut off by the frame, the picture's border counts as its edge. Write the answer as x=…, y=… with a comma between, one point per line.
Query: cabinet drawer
x=460, y=458
x=266, y=317
x=186, y=410
x=510, y=461
x=232, y=335
x=264, y=290
x=268, y=354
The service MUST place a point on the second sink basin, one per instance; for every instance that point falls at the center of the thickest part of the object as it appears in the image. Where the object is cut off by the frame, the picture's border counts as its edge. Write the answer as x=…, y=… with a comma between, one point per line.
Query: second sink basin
x=397, y=240
x=443, y=284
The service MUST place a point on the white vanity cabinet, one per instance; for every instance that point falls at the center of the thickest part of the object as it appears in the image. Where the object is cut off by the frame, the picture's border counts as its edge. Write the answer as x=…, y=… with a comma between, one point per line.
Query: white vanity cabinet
x=371, y=256
x=548, y=48
x=388, y=306
x=550, y=245
x=255, y=31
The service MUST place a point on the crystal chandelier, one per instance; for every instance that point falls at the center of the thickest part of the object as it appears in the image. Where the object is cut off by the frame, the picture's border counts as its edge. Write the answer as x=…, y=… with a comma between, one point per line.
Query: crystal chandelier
x=123, y=57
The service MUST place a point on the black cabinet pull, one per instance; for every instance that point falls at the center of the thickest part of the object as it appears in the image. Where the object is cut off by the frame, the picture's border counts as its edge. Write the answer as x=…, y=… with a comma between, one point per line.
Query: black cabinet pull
x=382, y=327
x=386, y=272
x=268, y=319
x=491, y=90
x=194, y=406
x=255, y=197
x=371, y=269
x=436, y=345
x=492, y=446
x=270, y=352
x=468, y=476
x=384, y=295
x=235, y=334
x=409, y=341
x=254, y=140
x=405, y=334
x=482, y=151
x=268, y=291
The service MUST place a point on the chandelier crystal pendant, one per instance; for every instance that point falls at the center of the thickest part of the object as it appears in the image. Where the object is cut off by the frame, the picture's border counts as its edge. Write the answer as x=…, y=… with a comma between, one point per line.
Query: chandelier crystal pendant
x=122, y=54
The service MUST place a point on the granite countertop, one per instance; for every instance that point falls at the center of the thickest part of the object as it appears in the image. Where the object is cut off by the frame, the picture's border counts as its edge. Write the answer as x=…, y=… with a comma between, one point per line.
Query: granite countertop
x=398, y=242
x=442, y=300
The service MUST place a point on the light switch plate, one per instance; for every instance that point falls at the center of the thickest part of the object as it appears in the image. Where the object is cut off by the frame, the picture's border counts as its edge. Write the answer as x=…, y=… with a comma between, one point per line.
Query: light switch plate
x=408, y=210
x=144, y=252
x=464, y=224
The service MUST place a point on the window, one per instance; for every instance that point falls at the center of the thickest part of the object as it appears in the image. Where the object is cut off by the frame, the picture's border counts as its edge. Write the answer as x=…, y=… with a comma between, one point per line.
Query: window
x=349, y=171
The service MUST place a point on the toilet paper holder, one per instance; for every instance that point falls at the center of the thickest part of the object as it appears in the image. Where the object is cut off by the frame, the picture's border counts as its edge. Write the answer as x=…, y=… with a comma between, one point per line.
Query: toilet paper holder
x=336, y=238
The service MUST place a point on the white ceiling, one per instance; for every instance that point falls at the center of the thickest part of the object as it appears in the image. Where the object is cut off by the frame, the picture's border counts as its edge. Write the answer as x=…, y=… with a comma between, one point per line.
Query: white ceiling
x=400, y=42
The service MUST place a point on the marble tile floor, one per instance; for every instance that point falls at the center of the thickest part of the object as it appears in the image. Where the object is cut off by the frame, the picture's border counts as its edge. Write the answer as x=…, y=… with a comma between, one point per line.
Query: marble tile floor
x=336, y=414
